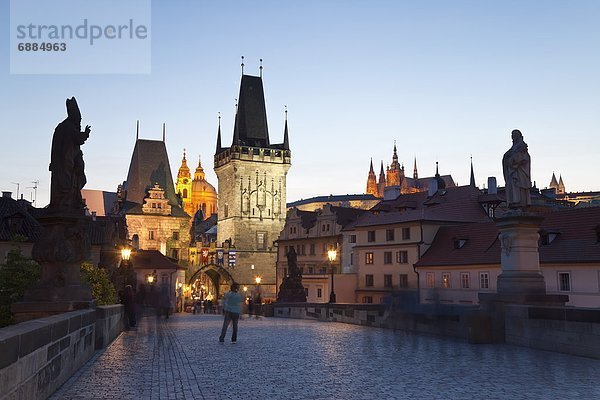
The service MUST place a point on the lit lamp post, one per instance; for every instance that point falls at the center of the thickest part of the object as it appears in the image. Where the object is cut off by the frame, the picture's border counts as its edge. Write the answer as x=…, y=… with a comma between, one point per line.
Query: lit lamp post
x=125, y=271
x=331, y=255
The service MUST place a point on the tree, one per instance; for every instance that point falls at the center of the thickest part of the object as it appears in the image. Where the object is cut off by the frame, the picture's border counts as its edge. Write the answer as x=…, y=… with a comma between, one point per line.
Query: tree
x=16, y=274
x=103, y=291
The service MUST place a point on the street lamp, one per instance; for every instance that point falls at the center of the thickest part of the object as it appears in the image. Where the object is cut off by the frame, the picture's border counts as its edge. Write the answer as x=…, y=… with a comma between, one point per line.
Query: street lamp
x=331, y=254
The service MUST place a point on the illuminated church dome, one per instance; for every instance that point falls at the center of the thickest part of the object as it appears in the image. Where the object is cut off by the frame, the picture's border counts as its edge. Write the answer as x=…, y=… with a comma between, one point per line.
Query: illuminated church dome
x=196, y=194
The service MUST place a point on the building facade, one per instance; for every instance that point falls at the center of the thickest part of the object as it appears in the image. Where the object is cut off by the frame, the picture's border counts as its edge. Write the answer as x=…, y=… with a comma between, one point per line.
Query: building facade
x=312, y=234
x=252, y=189
x=154, y=217
x=464, y=261
x=393, y=236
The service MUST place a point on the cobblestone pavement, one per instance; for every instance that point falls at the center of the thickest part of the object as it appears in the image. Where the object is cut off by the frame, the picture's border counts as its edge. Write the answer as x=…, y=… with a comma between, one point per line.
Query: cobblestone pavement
x=275, y=358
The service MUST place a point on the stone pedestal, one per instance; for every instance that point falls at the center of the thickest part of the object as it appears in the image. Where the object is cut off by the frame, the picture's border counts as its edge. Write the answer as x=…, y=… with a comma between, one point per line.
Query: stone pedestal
x=63, y=245
x=292, y=290
x=519, y=235
x=521, y=280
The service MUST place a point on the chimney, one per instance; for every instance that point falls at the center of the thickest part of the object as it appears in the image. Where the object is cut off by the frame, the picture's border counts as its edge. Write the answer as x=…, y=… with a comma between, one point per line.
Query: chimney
x=433, y=187
x=492, y=186
x=7, y=195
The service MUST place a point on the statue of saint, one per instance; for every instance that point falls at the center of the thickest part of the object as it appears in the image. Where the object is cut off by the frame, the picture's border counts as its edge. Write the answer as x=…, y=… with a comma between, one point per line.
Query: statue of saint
x=516, y=166
x=66, y=162
x=292, y=259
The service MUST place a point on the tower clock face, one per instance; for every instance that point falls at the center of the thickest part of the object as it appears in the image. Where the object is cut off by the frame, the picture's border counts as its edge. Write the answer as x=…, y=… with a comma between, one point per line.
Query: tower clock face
x=185, y=181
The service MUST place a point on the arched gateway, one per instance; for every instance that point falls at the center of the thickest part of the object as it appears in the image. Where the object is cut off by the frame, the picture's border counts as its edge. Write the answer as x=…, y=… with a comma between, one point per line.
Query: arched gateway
x=219, y=280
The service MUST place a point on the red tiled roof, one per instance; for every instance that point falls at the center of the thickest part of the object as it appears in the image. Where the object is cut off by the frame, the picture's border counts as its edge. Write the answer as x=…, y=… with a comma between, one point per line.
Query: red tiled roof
x=454, y=204
x=576, y=242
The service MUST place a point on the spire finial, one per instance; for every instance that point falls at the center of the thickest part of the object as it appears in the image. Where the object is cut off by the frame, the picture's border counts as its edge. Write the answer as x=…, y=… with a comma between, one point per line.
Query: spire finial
x=219, y=118
x=261, y=68
x=164, y=130
x=285, y=106
x=437, y=172
x=137, y=130
x=199, y=160
x=184, y=154
x=242, y=65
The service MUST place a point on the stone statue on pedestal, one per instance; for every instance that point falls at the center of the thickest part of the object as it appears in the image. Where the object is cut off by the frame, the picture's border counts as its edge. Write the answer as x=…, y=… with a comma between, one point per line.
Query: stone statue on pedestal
x=291, y=289
x=516, y=166
x=64, y=240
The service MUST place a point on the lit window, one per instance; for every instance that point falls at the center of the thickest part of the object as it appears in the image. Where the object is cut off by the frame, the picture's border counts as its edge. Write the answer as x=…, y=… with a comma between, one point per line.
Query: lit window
x=368, y=258
x=446, y=280
x=151, y=235
x=564, y=281
x=367, y=299
x=465, y=280
x=484, y=280
x=261, y=240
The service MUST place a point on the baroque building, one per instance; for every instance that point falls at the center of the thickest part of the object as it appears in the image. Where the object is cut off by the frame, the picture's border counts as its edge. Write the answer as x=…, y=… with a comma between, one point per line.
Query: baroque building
x=252, y=189
x=196, y=194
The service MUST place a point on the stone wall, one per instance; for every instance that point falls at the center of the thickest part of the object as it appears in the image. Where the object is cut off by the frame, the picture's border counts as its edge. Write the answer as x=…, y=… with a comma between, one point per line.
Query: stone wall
x=567, y=330
x=38, y=356
x=451, y=321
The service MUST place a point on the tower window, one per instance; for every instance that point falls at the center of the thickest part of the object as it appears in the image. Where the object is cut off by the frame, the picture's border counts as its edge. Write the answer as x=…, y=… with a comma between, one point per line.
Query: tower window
x=185, y=193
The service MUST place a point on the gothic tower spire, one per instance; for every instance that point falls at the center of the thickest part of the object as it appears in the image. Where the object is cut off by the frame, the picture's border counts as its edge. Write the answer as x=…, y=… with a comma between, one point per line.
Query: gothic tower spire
x=381, y=183
x=415, y=173
x=219, y=136
x=372, y=181
x=286, y=139
x=472, y=181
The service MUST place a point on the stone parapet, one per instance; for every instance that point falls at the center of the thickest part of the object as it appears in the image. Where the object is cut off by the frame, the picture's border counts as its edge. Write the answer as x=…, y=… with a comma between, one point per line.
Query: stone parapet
x=38, y=356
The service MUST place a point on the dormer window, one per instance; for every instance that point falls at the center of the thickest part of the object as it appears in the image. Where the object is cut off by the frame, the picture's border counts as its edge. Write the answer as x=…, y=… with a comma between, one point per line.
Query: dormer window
x=459, y=243
x=547, y=238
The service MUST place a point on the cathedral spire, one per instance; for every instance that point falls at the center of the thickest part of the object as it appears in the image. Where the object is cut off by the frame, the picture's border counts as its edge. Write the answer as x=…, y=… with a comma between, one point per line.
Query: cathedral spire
x=472, y=181
x=415, y=173
x=286, y=139
x=372, y=181
x=395, y=156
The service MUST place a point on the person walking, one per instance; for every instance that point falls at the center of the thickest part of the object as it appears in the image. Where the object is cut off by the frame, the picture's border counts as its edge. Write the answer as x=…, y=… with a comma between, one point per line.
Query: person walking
x=232, y=306
x=128, y=301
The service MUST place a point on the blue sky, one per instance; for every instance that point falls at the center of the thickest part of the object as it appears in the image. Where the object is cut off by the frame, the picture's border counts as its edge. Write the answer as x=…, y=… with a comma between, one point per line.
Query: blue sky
x=444, y=79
